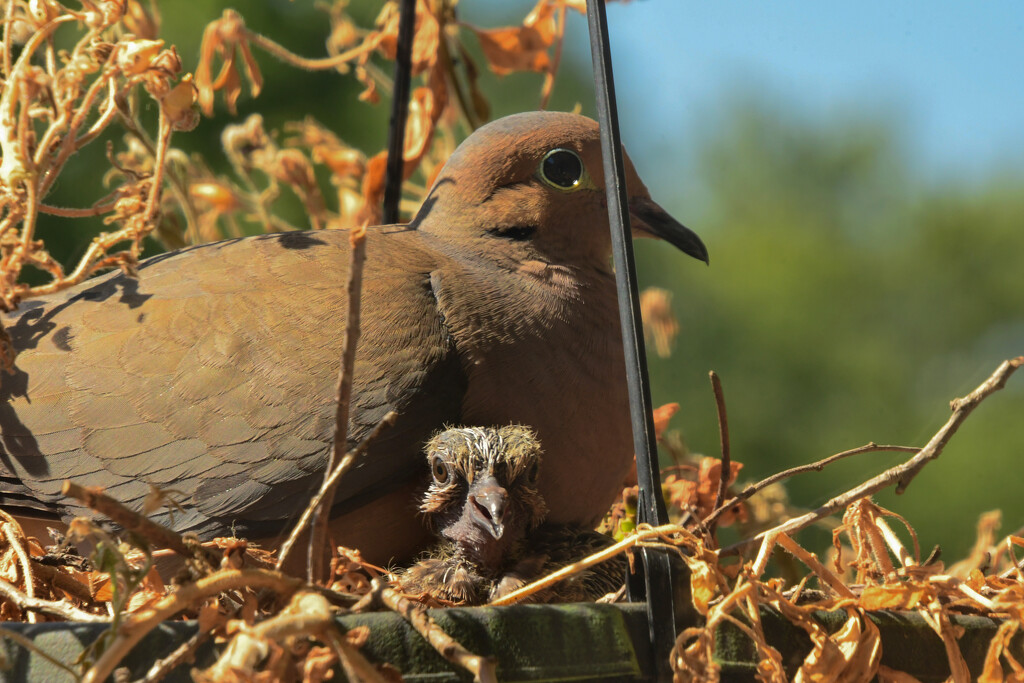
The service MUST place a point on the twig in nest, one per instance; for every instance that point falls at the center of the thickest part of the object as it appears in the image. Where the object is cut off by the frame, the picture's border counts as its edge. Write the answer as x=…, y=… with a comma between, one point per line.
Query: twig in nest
x=136, y=625
x=901, y=475
x=332, y=481
x=961, y=407
x=130, y=520
x=723, y=438
x=307, y=614
x=57, y=608
x=482, y=668
x=16, y=539
x=322, y=511
x=801, y=469
x=642, y=534
x=65, y=582
x=825, y=575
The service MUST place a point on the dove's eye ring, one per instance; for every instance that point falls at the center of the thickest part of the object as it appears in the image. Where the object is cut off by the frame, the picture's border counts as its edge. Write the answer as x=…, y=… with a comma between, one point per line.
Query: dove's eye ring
x=562, y=169
x=441, y=470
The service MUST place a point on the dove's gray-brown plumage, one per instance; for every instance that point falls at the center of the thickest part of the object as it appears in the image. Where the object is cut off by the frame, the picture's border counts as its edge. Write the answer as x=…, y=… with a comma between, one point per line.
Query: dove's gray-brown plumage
x=214, y=373
x=484, y=505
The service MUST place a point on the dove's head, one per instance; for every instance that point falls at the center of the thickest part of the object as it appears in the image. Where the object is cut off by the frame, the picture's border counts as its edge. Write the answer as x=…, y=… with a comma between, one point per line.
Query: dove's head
x=483, y=490
x=534, y=184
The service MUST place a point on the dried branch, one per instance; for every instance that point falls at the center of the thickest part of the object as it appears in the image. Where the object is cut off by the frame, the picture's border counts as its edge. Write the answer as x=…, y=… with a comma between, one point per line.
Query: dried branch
x=961, y=407
x=322, y=513
x=130, y=520
x=135, y=626
x=901, y=475
x=16, y=539
x=643, y=533
x=59, y=579
x=181, y=654
x=339, y=471
x=801, y=469
x=723, y=439
x=57, y=608
x=825, y=575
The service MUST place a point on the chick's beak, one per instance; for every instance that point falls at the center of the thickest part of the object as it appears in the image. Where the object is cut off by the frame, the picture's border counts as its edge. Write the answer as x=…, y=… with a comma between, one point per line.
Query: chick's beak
x=487, y=501
x=650, y=220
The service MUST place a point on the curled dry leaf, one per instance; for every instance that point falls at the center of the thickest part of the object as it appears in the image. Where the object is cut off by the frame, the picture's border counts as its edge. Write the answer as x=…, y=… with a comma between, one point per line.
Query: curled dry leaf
x=140, y=21
x=224, y=39
x=178, y=105
x=425, y=39
x=662, y=415
x=660, y=323
x=137, y=55
x=521, y=48
x=683, y=493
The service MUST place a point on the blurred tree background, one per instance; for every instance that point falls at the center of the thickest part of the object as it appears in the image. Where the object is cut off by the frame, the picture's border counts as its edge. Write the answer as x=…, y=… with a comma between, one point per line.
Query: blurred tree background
x=849, y=297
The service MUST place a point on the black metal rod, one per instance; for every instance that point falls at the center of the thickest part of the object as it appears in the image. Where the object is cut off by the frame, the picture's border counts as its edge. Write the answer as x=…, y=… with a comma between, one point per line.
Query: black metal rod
x=399, y=111
x=650, y=506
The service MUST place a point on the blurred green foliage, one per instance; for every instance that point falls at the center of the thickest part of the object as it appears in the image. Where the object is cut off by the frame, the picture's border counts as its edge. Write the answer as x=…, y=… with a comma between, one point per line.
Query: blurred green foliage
x=847, y=300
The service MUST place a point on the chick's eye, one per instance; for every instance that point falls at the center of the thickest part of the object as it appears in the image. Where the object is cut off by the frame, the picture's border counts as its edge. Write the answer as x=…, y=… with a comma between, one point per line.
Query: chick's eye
x=561, y=168
x=439, y=468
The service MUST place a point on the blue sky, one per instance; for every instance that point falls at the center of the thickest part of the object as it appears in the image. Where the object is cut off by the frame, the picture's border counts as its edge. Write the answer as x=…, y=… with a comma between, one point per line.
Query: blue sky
x=950, y=75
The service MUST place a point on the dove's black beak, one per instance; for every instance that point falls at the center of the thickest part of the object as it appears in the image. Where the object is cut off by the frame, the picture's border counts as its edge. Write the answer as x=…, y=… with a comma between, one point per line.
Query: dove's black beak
x=488, y=500
x=650, y=220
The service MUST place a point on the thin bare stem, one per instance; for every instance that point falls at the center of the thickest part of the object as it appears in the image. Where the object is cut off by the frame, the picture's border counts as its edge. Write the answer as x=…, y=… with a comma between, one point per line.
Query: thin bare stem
x=318, y=532
x=183, y=653
x=12, y=531
x=636, y=538
x=67, y=212
x=63, y=581
x=69, y=142
x=801, y=469
x=7, y=37
x=444, y=55
x=901, y=475
x=104, y=119
x=288, y=57
x=56, y=608
x=725, y=473
x=339, y=471
x=549, y=77
x=156, y=182
x=158, y=534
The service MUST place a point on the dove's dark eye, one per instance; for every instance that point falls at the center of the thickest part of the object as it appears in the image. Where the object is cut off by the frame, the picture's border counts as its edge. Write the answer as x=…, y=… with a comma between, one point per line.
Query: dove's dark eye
x=561, y=168
x=441, y=470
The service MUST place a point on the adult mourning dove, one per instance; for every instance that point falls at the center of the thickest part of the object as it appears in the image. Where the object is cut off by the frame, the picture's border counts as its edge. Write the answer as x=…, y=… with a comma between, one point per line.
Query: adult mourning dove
x=214, y=373
x=484, y=504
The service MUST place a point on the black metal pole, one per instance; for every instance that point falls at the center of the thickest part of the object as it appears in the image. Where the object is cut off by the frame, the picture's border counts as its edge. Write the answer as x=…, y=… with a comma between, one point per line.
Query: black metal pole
x=399, y=111
x=650, y=506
